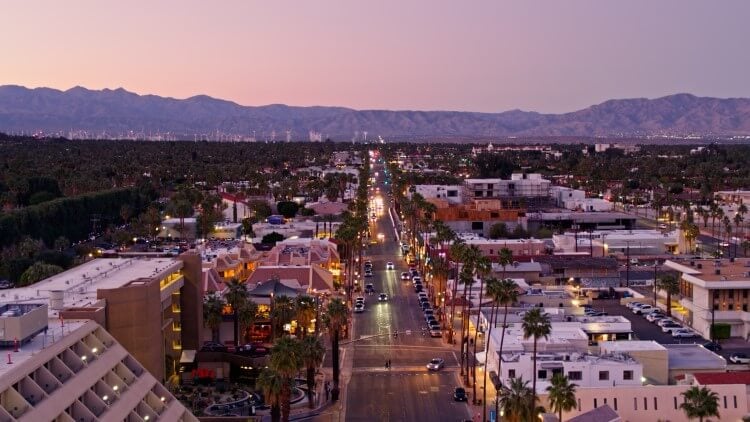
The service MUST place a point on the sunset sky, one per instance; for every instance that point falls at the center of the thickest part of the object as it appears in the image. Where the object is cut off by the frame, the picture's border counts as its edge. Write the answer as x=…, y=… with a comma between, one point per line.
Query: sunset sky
x=547, y=56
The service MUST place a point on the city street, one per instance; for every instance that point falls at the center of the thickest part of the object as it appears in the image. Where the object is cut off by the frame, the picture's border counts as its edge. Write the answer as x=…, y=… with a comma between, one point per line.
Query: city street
x=406, y=391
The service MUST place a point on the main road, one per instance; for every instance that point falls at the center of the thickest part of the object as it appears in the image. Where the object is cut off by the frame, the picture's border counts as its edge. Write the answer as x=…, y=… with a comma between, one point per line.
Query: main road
x=406, y=391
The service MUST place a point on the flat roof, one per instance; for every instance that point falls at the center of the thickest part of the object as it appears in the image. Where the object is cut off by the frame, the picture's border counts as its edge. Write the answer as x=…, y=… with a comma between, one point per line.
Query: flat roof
x=630, y=346
x=81, y=283
x=693, y=356
x=739, y=270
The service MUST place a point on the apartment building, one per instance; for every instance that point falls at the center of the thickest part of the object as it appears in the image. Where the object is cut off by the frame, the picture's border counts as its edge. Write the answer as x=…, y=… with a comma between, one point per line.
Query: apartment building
x=76, y=371
x=605, y=242
x=715, y=290
x=450, y=193
x=520, y=191
x=152, y=307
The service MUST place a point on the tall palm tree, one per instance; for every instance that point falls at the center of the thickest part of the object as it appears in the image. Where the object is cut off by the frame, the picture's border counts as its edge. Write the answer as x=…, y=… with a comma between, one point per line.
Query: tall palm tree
x=505, y=258
x=562, y=395
x=535, y=324
x=282, y=313
x=212, y=318
x=305, y=313
x=505, y=293
x=286, y=359
x=700, y=402
x=482, y=266
x=270, y=383
x=671, y=286
x=336, y=317
x=236, y=297
x=312, y=357
x=516, y=401
x=457, y=251
x=246, y=316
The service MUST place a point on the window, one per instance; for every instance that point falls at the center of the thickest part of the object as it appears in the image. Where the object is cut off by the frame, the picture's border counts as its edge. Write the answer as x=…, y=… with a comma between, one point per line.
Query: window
x=655, y=404
x=541, y=374
x=645, y=403
x=744, y=307
x=579, y=405
x=478, y=193
x=595, y=404
x=725, y=402
x=615, y=403
x=557, y=371
x=735, y=402
x=627, y=375
x=494, y=215
x=492, y=252
x=511, y=373
x=744, y=293
x=603, y=375
x=575, y=375
x=675, y=402
x=477, y=225
x=635, y=403
x=452, y=193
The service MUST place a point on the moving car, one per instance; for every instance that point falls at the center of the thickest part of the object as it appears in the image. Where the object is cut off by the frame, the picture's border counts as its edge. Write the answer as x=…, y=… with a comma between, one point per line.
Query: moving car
x=739, y=358
x=212, y=346
x=683, y=333
x=405, y=276
x=383, y=297
x=359, y=307
x=459, y=394
x=389, y=266
x=369, y=288
x=436, y=364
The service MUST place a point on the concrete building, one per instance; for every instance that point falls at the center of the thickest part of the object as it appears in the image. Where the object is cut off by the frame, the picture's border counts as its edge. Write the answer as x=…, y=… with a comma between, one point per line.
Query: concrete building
x=450, y=193
x=582, y=221
x=606, y=242
x=153, y=307
x=79, y=372
x=692, y=359
x=717, y=290
x=520, y=191
x=653, y=357
x=176, y=228
x=491, y=247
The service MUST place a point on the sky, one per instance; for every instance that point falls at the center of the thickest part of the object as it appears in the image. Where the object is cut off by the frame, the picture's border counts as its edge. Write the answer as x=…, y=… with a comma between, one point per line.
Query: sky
x=490, y=56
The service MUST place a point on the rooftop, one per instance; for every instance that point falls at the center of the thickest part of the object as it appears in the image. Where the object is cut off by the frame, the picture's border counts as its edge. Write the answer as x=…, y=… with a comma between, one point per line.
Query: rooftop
x=630, y=346
x=739, y=270
x=713, y=378
x=600, y=414
x=693, y=357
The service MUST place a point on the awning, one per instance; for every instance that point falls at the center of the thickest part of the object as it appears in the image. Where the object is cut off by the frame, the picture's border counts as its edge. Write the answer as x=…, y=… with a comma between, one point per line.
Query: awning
x=481, y=357
x=188, y=356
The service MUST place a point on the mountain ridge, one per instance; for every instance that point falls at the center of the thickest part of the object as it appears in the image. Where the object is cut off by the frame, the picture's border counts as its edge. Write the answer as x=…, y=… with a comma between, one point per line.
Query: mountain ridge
x=117, y=110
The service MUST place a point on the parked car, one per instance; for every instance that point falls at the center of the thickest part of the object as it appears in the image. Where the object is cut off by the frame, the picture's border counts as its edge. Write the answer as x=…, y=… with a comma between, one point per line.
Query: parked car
x=683, y=333
x=252, y=349
x=436, y=364
x=359, y=307
x=368, y=273
x=671, y=327
x=655, y=316
x=459, y=394
x=630, y=305
x=713, y=346
x=416, y=279
x=435, y=331
x=645, y=309
x=369, y=288
x=212, y=346
x=5, y=284
x=418, y=287
x=665, y=321
x=739, y=358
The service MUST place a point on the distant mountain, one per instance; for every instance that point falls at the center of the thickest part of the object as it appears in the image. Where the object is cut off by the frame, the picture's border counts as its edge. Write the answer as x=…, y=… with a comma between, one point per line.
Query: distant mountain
x=113, y=113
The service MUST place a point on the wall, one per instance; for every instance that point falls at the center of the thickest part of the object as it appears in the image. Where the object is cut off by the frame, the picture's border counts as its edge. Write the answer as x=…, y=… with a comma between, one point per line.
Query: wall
x=191, y=297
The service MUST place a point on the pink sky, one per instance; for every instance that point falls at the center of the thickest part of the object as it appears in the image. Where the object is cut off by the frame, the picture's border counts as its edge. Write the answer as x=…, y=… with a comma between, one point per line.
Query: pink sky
x=492, y=56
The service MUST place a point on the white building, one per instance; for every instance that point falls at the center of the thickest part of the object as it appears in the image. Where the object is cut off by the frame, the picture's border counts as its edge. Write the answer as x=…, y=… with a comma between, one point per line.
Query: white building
x=450, y=193
x=520, y=185
x=640, y=242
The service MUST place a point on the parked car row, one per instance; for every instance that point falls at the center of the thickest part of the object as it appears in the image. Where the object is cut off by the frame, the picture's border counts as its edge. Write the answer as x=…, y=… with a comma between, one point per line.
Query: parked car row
x=656, y=316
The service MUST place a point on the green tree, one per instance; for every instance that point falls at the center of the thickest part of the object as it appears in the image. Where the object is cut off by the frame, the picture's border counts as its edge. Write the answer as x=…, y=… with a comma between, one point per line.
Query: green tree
x=212, y=315
x=287, y=208
x=562, y=395
x=282, y=312
x=499, y=231
x=312, y=357
x=516, y=400
x=503, y=293
x=271, y=383
x=335, y=318
x=272, y=238
x=305, y=313
x=535, y=324
x=37, y=272
x=671, y=286
x=700, y=402
x=246, y=317
x=286, y=359
x=236, y=297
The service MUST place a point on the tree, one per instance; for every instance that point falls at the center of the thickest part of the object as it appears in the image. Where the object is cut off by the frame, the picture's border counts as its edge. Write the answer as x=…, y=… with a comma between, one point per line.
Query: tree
x=700, y=402
x=287, y=208
x=271, y=383
x=282, y=312
x=286, y=359
x=505, y=293
x=37, y=272
x=305, y=312
x=261, y=209
x=517, y=401
x=312, y=357
x=61, y=244
x=236, y=297
x=671, y=286
x=482, y=266
x=499, y=231
x=535, y=324
x=246, y=317
x=272, y=238
x=457, y=252
x=562, y=395
x=505, y=258
x=691, y=232
x=336, y=317
x=212, y=315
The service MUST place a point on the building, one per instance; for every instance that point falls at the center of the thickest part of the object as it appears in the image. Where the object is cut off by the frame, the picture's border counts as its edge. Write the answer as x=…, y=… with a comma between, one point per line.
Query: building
x=692, y=359
x=653, y=357
x=522, y=190
x=77, y=371
x=627, y=242
x=583, y=270
x=477, y=216
x=450, y=193
x=581, y=221
x=178, y=228
x=152, y=307
x=599, y=414
x=714, y=290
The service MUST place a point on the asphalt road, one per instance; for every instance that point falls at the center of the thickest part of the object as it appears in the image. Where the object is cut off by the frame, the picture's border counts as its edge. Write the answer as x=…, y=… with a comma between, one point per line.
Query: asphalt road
x=406, y=391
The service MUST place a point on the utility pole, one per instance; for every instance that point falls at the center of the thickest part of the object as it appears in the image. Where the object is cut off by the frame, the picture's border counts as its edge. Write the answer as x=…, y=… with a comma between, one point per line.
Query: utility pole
x=627, y=264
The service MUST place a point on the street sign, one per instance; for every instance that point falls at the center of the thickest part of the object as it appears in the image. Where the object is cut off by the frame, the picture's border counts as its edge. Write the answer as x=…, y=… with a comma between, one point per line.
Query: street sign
x=492, y=416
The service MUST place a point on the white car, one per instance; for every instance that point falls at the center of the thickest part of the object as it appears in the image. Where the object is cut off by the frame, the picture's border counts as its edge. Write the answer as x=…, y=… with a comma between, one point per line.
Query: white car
x=644, y=310
x=630, y=305
x=665, y=321
x=435, y=364
x=683, y=333
x=739, y=358
x=359, y=307
x=668, y=328
x=389, y=266
x=404, y=276
x=655, y=316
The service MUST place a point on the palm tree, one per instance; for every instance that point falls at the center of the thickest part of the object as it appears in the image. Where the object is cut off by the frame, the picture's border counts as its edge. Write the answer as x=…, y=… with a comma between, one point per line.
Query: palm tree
x=482, y=266
x=236, y=297
x=535, y=324
x=246, y=316
x=270, y=383
x=282, y=313
x=562, y=395
x=505, y=293
x=305, y=309
x=286, y=359
x=700, y=402
x=457, y=252
x=505, y=258
x=671, y=286
x=336, y=317
x=312, y=357
x=516, y=401
x=212, y=316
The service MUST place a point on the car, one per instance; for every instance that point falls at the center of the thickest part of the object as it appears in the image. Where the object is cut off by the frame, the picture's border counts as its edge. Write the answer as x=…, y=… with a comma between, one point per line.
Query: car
x=643, y=309
x=428, y=318
x=405, y=276
x=739, y=358
x=252, y=349
x=683, y=333
x=432, y=325
x=418, y=288
x=655, y=316
x=630, y=305
x=212, y=346
x=596, y=313
x=429, y=311
x=383, y=297
x=459, y=394
x=5, y=284
x=416, y=279
x=368, y=263
x=436, y=364
x=422, y=294
x=671, y=327
x=389, y=266
x=435, y=332
x=713, y=346
x=369, y=288
x=368, y=273
x=359, y=307
x=665, y=321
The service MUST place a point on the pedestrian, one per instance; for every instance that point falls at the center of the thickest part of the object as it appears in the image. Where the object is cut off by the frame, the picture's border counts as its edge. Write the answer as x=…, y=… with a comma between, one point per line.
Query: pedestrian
x=389, y=363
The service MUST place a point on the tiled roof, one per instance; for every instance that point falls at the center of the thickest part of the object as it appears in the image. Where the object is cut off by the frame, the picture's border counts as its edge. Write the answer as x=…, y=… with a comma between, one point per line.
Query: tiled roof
x=600, y=414
x=713, y=378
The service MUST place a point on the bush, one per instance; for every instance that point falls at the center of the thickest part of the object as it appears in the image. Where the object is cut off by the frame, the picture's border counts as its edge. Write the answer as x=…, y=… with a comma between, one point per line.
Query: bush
x=37, y=272
x=287, y=208
x=721, y=331
x=272, y=238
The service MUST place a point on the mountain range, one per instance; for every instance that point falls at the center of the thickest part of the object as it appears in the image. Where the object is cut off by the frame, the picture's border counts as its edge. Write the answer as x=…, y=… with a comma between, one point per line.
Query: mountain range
x=113, y=113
